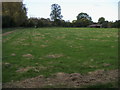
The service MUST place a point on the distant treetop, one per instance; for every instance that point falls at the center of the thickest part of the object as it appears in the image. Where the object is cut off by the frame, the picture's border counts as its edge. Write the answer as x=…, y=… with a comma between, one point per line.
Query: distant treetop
x=56, y=12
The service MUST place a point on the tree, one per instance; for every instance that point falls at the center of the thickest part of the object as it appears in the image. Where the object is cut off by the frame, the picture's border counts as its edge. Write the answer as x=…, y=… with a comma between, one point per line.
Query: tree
x=83, y=16
x=116, y=24
x=110, y=24
x=42, y=22
x=7, y=21
x=83, y=20
x=15, y=11
x=101, y=20
x=56, y=13
x=105, y=24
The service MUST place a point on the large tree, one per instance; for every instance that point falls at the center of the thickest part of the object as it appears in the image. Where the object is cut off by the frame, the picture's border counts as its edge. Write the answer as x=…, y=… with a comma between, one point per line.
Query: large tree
x=83, y=20
x=56, y=12
x=101, y=20
x=13, y=14
x=83, y=16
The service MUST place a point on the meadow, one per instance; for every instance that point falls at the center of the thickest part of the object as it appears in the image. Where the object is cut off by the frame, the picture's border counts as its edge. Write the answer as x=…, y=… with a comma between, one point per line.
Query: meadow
x=30, y=52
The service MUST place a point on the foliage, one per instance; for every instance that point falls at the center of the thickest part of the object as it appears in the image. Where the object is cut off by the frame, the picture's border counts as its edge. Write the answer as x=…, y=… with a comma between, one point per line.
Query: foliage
x=39, y=22
x=108, y=24
x=116, y=24
x=7, y=21
x=83, y=16
x=83, y=20
x=56, y=14
x=14, y=12
x=101, y=20
x=105, y=24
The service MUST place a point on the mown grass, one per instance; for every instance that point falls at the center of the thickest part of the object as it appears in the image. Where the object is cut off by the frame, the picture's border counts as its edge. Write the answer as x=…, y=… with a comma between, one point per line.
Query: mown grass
x=52, y=50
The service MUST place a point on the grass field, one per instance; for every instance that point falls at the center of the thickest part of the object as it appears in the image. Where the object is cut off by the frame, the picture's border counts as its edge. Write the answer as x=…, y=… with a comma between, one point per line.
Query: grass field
x=31, y=52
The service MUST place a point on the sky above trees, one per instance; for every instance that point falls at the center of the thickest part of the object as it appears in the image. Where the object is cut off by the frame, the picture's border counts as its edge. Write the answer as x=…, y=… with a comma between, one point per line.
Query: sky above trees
x=71, y=8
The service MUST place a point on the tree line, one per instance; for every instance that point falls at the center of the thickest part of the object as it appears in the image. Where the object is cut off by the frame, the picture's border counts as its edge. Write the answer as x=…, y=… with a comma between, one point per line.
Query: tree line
x=14, y=14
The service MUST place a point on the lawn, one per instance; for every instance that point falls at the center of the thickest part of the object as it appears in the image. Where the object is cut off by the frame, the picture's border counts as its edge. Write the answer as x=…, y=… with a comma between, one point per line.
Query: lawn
x=29, y=52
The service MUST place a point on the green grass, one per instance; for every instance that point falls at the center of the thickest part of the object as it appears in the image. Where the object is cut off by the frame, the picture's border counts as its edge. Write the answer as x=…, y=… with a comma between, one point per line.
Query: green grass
x=80, y=50
x=4, y=30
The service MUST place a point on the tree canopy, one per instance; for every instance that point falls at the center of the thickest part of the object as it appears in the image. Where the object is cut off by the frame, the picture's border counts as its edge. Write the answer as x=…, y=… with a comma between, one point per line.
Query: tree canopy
x=56, y=12
x=101, y=20
x=83, y=16
x=13, y=13
x=83, y=20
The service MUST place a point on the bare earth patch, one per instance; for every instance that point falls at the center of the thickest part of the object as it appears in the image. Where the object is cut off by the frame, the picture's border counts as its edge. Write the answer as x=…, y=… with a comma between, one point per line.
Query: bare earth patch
x=4, y=34
x=39, y=68
x=6, y=64
x=13, y=54
x=28, y=56
x=36, y=69
x=68, y=80
x=54, y=56
x=60, y=37
x=43, y=46
x=24, y=69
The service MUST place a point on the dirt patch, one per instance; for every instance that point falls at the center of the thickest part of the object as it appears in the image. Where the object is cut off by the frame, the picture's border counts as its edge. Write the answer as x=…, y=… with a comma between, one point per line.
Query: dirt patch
x=106, y=64
x=54, y=56
x=21, y=70
x=43, y=46
x=26, y=44
x=28, y=56
x=39, y=68
x=6, y=64
x=60, y=37
x=68, y=80
x=36, y=69
x=39, y=38
x=13, y=54
x=4, y=34
x=94, y=39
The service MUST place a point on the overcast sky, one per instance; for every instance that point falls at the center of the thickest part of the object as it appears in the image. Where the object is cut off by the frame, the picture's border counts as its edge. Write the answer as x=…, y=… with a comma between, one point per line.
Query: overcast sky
x=71, y=8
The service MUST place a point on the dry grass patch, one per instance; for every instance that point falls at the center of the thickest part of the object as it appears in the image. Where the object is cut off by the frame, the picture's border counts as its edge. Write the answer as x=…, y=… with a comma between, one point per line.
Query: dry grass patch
x=94, y=39
x=43, y=46
x=5, y=34
x=106, y=64
x=22, y=70
x=6, y=64
x=60, y=37
x=25, y=44
x=28, y=56
x=34, y=68
x=54, y=56
x=21, y=39
x=39, y=68
x=38, y=38
x=13, y=54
